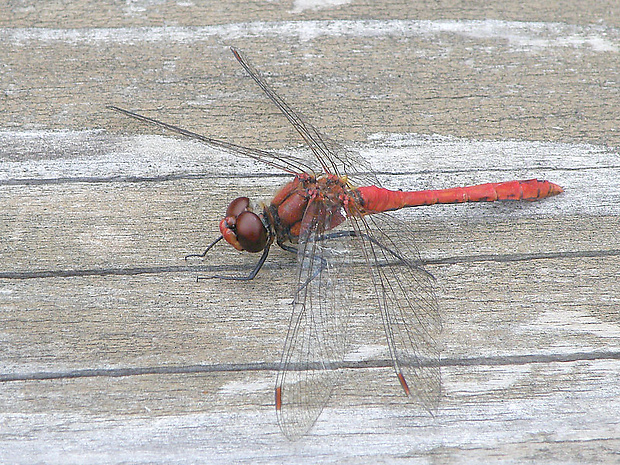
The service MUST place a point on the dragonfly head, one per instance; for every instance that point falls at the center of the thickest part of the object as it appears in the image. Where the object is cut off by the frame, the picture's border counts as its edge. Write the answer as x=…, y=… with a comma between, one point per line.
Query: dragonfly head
x=242, y=228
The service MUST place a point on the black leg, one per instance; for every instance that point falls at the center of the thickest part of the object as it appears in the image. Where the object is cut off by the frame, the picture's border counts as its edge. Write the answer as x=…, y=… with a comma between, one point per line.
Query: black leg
x=203, y=254
x=249, y=277
x=394, y=253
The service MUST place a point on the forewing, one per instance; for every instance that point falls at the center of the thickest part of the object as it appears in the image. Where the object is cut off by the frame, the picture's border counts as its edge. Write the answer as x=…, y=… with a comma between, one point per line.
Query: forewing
x=315, y=343
x=406, y=301
x=331, y=156
x=288, y=163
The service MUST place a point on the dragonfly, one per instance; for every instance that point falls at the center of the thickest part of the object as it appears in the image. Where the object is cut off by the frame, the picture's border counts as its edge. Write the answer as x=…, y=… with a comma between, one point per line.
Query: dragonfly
x=334, y=215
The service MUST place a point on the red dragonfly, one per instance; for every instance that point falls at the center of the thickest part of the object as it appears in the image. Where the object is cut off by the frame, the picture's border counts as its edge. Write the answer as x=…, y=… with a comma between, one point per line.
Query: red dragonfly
x=335, y=228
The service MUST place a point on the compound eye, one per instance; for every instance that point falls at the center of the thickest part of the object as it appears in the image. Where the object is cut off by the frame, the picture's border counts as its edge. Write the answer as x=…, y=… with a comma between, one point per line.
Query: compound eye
x=251, y=232
x=237, y=206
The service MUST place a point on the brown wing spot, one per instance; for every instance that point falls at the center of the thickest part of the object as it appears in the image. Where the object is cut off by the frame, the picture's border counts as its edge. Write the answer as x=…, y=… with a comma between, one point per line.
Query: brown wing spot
x=403, y=383
x=278, y=398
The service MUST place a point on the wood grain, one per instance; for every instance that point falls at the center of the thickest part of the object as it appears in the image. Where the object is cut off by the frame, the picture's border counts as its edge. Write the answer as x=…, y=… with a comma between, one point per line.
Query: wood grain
x=111, y=352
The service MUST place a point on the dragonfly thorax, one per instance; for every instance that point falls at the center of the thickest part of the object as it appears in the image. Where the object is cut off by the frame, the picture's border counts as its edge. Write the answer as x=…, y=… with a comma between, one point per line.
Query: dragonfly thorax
x=296, y=204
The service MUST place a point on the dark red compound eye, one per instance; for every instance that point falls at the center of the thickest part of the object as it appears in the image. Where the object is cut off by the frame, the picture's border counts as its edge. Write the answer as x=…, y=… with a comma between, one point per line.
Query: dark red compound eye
x=251, y=232
x=237, y=206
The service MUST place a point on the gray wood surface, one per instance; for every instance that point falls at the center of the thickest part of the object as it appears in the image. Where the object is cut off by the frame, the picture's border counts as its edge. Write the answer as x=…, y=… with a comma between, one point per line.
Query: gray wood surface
x=111, y=352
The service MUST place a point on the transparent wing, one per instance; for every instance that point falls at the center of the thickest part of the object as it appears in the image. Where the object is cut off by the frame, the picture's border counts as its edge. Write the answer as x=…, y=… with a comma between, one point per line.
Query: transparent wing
x=406, y=301
x=315, y=344
x=288, y=163
x=401, y=296
x=331, y=156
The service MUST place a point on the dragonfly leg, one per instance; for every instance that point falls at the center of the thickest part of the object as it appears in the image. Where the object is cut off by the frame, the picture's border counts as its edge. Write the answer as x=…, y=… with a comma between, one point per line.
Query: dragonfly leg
x=351, y=233
x=394, y=253
x=288, y=248
x=203, y=254
x=321, y=267
x=249, y=277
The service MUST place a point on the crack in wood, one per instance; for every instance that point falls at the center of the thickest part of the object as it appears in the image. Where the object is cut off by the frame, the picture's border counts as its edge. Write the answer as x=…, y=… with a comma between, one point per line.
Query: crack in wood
x=493, y=360
x=41, y=274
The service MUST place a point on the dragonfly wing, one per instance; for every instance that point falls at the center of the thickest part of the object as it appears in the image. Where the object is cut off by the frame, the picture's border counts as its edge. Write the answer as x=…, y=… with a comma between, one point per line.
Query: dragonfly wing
x=315, y=343
x=332, y=157
x=288, y=163
x=407, y=303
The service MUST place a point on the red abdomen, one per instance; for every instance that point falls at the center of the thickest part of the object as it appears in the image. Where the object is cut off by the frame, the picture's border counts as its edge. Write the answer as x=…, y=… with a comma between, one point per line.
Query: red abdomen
x=376, y=199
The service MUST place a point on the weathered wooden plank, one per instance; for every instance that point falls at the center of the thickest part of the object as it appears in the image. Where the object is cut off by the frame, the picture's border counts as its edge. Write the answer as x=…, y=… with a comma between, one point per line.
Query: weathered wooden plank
x=558, y=307
x=543, y=411
x=144, y=364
